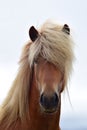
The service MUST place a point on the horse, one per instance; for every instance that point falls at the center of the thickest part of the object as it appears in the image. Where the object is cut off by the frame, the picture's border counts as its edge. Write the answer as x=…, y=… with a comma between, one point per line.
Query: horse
x=45, y=66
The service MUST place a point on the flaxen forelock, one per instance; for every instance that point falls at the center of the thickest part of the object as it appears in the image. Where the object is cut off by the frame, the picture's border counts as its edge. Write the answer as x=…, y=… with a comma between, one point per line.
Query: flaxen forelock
x=54, y=45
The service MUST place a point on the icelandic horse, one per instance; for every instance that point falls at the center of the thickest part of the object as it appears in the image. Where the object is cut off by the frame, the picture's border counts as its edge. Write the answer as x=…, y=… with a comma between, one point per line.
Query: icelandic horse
x=34, y=100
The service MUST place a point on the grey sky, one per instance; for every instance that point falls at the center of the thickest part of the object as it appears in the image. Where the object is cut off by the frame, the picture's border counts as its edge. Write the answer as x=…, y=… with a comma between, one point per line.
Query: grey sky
x=15, y=19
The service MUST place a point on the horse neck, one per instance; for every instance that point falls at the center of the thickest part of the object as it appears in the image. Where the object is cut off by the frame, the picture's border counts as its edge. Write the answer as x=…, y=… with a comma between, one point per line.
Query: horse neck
x=37, y=119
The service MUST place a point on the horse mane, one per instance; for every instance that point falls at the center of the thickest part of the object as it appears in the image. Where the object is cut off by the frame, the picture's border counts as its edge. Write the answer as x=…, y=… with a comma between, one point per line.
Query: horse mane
x=16, y=103
x=52, y=44
x=55, y=46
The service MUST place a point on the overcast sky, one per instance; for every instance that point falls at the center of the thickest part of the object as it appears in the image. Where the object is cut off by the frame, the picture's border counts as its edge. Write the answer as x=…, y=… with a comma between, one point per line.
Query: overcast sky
x=15, y=19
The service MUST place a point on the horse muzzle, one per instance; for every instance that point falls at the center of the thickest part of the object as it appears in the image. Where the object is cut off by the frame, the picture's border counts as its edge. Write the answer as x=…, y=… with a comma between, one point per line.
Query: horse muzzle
x=49, y=104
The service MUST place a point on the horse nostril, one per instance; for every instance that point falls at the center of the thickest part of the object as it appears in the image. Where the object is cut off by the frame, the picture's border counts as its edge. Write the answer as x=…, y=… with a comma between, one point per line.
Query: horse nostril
x=49, y=102
x=43, y=100
x=55, y=99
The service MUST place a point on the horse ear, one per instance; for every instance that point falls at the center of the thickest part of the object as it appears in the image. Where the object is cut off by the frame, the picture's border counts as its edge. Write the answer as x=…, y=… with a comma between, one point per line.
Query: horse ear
x=33, y=33
x=66, y=29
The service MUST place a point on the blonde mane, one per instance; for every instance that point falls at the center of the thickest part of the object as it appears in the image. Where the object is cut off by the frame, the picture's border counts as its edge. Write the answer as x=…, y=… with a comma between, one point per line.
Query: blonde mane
x=52, y=44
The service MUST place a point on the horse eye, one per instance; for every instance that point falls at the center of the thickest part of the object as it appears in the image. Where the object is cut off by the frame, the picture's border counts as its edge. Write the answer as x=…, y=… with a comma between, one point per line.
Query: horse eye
x=36, y=61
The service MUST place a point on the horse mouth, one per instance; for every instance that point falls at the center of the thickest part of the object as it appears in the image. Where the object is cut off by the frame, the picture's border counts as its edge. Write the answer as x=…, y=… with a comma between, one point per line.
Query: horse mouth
x=49, y=111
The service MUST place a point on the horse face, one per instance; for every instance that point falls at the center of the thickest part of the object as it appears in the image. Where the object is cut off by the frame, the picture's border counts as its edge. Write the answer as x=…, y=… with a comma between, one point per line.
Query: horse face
x=49, y=82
